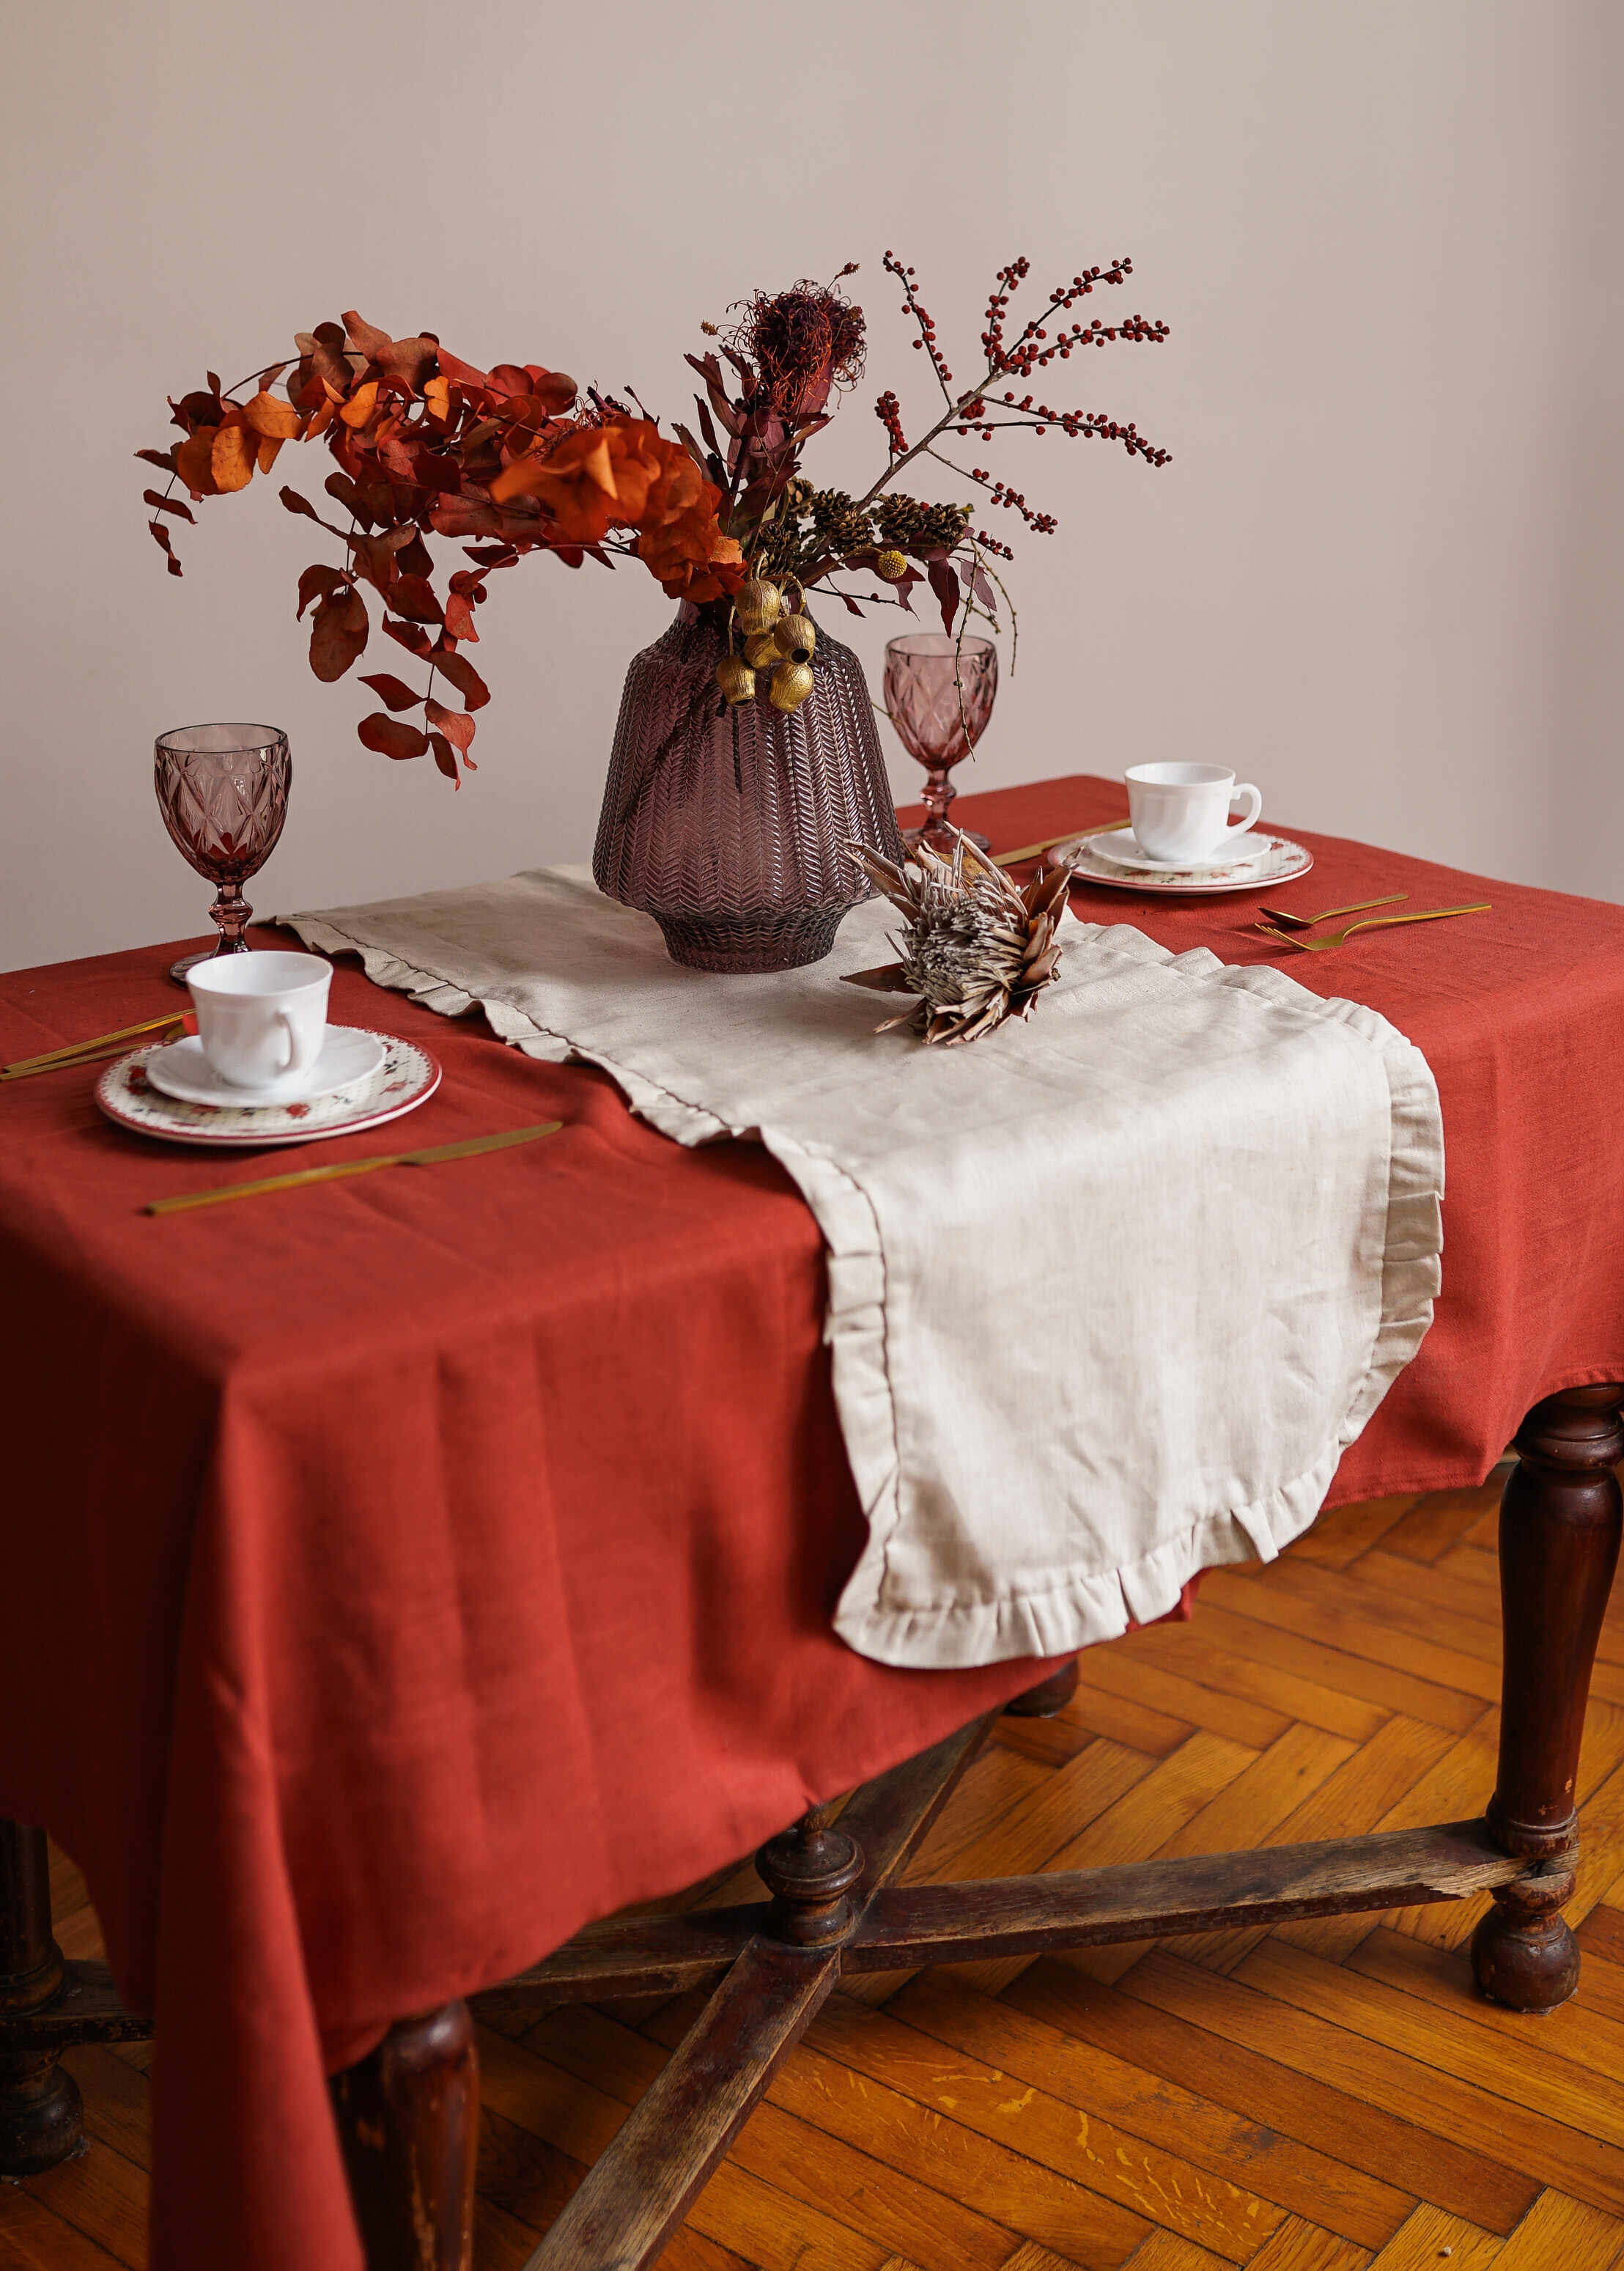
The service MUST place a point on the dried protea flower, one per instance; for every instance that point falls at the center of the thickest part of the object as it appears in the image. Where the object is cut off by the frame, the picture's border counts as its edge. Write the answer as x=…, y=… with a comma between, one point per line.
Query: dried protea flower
x=803, y=342
x=974, y=949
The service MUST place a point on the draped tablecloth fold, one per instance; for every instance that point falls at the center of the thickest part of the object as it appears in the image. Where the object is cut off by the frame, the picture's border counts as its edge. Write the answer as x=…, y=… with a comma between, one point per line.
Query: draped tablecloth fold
x=1110, y=1291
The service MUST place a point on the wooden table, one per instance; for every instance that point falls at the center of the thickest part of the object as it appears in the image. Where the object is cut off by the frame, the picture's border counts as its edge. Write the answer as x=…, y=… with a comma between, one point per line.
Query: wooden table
x=407, y=2109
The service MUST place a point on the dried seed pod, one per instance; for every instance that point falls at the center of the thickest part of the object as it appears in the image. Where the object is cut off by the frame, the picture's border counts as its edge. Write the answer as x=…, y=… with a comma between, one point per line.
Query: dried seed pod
x=791, y=684
x=736, y=678
x=892, y=565
x=758, y=604
x=797, y=636
x=762, y=650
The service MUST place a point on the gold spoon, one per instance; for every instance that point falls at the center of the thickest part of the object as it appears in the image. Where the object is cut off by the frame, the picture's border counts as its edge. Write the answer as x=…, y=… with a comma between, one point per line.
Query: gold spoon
x=1307, y=922
x=1377, y=922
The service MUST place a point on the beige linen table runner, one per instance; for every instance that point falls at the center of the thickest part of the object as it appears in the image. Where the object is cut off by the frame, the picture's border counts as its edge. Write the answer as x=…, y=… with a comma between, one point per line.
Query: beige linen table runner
x=1110, y=1291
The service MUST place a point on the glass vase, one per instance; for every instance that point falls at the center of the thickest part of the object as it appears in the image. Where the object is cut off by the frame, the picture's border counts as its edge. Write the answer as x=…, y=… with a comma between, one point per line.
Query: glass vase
x=726, y=824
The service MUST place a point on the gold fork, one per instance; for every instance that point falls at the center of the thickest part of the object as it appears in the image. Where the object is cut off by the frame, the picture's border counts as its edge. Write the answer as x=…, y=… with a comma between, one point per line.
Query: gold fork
x=1376, y=922
x=1290, y=921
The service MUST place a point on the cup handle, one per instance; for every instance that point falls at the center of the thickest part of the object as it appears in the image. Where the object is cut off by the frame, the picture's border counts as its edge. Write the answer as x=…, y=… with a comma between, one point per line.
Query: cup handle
x=1253, y=797
x=300, y=1055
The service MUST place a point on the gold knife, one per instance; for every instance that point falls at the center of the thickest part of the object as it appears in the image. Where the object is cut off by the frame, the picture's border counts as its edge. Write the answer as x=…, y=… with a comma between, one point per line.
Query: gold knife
x=1031, y=851
x=85, y=1052
x=71, y=1049
x=429, y=1158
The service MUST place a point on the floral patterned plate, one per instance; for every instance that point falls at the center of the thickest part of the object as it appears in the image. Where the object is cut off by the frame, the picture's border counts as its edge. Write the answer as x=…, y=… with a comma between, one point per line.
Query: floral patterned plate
x=1272, y=860
x=408, y=1076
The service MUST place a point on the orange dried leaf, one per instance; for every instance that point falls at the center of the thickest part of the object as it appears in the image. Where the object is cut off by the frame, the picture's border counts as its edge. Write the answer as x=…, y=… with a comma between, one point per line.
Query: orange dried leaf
x=437, y=394
x=456, y=725
x=230, y=458
x=360, y=405
x=265, y=456
x=193, y=458
x=276, y=420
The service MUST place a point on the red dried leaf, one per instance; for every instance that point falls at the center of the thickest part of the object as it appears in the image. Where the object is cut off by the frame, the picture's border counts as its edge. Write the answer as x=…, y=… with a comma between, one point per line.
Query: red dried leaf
x=409, y=360
x=415, y=641
x=393, y=692
x=161, y=458
x=294, y=503
x=390, y=738
x=490, y=555
x=337, y=634
x=412, y=556
x=462, y=374
x=463, y=677
x=445, y=757
x=412, y=596
x=319, y=583
x=162, y=503
x=459, y=617
x=456, y=725
x=328, y=357
x=160, y=537
x=344, y=489
x=944, y=584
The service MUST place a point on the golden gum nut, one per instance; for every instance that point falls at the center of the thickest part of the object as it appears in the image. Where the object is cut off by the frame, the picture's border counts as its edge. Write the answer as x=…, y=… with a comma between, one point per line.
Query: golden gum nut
x=791, y=683
x=758, y=604
x=797, y=636
x=762, y=650
x=736, y=678
x=892, y=565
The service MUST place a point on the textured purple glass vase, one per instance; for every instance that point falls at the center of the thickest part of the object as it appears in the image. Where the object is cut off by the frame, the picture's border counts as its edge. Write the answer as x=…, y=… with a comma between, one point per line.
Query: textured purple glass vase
x=727, y=825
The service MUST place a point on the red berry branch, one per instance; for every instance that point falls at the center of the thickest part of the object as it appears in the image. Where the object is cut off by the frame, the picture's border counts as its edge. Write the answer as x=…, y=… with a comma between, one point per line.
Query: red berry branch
x=1030, y=350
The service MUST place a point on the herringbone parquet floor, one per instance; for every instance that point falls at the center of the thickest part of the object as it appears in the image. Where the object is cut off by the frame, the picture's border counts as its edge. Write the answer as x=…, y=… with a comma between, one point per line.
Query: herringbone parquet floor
x=1323, y=2097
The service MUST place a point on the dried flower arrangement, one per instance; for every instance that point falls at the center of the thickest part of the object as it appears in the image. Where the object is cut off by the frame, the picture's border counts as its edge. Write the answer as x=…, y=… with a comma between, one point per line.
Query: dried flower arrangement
x=518, y=459
x=974, y=949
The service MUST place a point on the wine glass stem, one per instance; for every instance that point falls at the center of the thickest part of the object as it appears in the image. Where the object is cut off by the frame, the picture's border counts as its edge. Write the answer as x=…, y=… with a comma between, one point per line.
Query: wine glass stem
x=232, y=911
x=939, y=794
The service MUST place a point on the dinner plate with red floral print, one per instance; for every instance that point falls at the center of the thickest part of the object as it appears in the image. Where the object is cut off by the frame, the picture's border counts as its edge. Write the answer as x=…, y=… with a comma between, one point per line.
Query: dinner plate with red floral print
x=1268, y=861
x=408, y=1076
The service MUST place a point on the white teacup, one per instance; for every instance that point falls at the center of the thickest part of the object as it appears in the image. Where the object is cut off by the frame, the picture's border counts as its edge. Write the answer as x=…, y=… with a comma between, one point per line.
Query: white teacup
x=1181, y=812
x=261, y=1017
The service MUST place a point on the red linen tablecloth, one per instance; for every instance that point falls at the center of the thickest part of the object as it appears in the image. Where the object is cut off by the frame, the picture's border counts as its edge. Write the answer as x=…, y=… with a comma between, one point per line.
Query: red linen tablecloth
x=401, y=1572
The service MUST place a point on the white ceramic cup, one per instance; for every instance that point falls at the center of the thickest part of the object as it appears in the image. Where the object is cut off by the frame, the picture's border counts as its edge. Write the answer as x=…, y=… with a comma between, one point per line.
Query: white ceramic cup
x=1181, y=812
x=261, y=1017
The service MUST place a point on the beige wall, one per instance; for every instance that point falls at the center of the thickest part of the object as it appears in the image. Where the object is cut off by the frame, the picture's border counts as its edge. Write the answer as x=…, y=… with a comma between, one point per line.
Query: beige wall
x=1381, y=577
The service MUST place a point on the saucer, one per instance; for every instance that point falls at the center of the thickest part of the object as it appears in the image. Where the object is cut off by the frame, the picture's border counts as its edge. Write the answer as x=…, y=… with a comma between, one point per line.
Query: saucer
x=1121, y=847
x=348, y=1055
x=406, y=1076
x=1274, y=860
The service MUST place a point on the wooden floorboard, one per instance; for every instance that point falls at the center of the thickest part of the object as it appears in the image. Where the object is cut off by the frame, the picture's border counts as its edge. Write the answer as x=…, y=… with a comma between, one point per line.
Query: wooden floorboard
x=1329, y=2095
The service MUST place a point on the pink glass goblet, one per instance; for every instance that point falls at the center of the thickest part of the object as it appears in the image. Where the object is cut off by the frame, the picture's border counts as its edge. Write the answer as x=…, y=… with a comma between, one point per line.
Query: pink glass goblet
x=938, y=695
x=223, y=793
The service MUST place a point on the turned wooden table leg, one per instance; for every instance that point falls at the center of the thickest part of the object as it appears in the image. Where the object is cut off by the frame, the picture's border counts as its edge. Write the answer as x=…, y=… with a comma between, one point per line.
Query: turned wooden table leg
x=409, y=2119
x=1048, y=1697
x=1559, y=1543
x=39, y=2108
